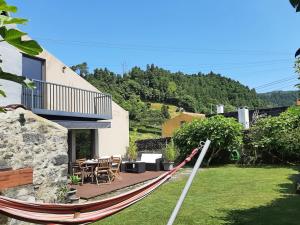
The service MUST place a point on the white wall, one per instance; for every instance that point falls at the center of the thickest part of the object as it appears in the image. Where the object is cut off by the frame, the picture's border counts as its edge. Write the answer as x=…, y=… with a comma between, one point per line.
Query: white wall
x=57, y=72
x=115, y=140
x=11, y=63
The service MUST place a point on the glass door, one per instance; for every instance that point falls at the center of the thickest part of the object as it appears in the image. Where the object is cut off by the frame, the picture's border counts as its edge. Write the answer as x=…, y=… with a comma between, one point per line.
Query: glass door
x=84, y=144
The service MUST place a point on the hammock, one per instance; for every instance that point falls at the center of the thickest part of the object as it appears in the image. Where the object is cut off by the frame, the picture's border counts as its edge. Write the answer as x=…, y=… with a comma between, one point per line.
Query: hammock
x=47, y=213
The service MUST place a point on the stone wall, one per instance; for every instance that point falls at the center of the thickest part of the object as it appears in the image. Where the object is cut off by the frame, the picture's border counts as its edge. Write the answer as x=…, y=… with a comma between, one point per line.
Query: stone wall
x=27, y=140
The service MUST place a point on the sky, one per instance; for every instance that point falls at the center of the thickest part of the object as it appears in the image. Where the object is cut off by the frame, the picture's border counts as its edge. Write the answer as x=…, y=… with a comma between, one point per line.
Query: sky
x=250, y=41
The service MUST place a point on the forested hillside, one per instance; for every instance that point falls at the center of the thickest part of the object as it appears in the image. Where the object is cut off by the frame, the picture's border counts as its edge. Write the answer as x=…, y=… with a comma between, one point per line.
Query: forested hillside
x=280, y=98
x=136, y=90
x=194, y=93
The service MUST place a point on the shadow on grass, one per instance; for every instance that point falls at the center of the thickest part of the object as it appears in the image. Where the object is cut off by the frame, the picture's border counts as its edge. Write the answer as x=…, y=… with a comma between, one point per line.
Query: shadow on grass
x=282, y=211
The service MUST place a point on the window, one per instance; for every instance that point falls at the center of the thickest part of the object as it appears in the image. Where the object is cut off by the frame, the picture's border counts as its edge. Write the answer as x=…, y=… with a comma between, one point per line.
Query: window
x=32, y=68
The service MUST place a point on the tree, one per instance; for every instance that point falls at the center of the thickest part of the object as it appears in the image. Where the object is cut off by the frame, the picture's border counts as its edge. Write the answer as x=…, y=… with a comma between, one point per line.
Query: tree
x=165, y=111
x=14, y=38
x=82, y=69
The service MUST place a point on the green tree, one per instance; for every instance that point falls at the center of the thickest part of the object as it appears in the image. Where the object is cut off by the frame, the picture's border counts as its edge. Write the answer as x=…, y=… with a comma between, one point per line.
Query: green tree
x=172, y=88
x=14, y=38
x=165, y=111
x=82, y=69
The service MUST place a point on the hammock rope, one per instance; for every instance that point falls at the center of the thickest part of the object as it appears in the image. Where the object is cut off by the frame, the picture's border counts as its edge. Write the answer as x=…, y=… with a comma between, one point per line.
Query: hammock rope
x=84, y=213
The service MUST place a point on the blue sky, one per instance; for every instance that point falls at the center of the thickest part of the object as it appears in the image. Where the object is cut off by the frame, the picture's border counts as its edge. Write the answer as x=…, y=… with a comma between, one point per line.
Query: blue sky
x=250, y=41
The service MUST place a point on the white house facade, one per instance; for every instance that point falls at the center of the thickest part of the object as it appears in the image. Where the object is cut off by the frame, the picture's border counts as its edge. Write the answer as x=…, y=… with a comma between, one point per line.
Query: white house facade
x=97, y=125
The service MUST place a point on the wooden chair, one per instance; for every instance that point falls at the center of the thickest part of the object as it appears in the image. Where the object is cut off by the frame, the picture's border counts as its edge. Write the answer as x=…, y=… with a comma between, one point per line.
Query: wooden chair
x=82, y=170
x=104, y=169
x=116, y=163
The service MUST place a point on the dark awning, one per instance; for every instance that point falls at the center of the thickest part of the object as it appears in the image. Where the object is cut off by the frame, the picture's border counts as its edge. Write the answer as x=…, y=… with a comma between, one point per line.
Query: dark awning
x=72, y=124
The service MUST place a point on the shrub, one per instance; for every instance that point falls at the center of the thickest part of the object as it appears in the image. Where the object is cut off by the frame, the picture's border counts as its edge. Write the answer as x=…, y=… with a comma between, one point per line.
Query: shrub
x=170, y=152
x=275, y=139
x=225, y=135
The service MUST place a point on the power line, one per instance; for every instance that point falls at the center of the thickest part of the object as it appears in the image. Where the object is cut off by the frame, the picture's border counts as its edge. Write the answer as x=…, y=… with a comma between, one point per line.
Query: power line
x=162, y=48
x=277, y=88
x=236, y=65
x=290, y=83
x=276, y=82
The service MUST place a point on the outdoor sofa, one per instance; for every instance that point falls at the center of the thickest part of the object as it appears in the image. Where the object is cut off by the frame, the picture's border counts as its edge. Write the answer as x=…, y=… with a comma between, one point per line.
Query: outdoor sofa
x=153, y=161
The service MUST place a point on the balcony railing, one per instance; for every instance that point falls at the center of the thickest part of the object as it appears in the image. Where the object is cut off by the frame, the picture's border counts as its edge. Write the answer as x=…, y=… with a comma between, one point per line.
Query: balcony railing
x=60, y=100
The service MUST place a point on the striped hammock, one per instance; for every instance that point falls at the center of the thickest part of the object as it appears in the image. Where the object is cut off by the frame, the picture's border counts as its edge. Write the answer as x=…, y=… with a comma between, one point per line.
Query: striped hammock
x=85, y=213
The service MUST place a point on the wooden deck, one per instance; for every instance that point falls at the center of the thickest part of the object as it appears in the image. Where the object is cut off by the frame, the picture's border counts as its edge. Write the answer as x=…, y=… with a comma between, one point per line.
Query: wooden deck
x=88, y=190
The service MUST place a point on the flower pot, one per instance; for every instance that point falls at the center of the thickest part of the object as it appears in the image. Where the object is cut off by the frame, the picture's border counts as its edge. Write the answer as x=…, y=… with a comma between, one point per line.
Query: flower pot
x=71, y=196
x=71, y=192
x=168, y=166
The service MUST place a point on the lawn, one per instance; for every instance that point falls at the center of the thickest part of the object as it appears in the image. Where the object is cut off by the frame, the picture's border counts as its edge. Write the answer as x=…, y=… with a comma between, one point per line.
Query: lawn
x=225, y=195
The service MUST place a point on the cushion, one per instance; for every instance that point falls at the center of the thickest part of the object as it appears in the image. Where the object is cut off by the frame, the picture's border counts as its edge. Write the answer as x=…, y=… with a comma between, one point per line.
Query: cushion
x=150, y=157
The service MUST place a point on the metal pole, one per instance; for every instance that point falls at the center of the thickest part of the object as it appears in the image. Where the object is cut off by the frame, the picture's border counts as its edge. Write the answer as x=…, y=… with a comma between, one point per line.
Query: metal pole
x=188, y=183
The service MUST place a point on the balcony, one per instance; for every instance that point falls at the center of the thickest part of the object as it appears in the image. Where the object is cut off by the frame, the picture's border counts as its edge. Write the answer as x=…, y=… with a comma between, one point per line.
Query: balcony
x=52, y=99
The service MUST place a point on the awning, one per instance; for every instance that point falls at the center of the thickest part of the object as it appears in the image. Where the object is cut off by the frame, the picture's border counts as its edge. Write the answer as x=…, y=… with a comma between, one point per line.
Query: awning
x=73, y=124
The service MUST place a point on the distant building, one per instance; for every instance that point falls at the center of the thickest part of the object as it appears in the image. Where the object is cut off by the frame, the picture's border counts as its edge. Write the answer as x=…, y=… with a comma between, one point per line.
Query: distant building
x=171, y=125
x=252, y=114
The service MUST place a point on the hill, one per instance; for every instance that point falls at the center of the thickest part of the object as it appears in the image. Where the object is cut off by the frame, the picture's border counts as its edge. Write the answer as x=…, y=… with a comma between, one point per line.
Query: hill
x=280, y=98
x=147, y=93
x=194, y=93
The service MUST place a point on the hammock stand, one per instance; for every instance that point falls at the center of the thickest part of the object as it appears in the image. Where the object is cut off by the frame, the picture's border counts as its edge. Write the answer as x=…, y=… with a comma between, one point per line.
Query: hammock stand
x=85, y=213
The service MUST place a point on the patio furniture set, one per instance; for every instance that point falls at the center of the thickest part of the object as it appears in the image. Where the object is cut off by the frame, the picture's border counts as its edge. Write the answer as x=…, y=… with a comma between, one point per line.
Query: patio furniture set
x=108, y=168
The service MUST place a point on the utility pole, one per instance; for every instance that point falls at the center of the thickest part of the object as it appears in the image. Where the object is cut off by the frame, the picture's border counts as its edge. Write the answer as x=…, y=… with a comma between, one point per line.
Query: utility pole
x=124, y=67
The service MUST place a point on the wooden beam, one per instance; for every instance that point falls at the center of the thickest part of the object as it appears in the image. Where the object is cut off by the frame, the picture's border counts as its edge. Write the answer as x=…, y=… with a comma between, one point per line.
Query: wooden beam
x=14, y=178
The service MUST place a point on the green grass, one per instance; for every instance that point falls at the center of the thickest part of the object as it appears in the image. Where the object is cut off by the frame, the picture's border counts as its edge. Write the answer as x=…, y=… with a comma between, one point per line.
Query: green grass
x=172, y=108
x=225, y=195
x=142, y=136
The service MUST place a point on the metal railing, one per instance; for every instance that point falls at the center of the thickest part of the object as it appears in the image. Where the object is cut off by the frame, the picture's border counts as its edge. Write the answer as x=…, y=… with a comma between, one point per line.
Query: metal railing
x=66, y=100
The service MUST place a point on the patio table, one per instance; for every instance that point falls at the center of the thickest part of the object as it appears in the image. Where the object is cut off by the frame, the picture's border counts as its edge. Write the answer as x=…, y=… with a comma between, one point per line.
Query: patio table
x=91, y=163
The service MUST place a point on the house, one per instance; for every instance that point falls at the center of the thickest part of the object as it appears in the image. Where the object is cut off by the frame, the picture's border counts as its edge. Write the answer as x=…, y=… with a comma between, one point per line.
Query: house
x=96, y=124
x=172, y=124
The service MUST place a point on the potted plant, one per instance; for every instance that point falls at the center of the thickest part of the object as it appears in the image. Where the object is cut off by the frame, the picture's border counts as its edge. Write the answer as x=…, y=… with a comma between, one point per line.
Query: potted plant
x=75, y=180
x=170, y=155
x=66, y=194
